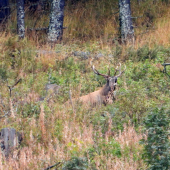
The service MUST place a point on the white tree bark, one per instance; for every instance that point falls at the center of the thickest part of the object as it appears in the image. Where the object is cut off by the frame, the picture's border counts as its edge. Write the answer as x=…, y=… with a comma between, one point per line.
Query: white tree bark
x=56, y=21
x=126, y=27
x=20, y=19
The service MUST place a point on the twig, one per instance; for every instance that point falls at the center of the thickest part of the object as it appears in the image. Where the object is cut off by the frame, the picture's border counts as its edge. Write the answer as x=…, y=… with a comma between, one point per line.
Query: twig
x=11, y=87
x=10, y=94
x=71, y=101
x=136, y=17
x=41, y=29
x=57, y=164
x=38, y=29
x=6, y=114
x=164, y=70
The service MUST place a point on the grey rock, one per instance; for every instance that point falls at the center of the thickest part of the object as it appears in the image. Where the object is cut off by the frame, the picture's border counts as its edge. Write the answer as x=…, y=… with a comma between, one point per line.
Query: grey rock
x=81, y=54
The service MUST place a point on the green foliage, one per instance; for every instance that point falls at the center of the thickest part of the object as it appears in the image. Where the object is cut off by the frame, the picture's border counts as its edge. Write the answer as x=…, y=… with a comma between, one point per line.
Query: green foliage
x=58, y=129
x=103, y=147
x=16, y=58
x=157, y=53
x=3, y=73
x=76, y=163
x=140, y=72
x=116, y=112
x=70, y=72
x=144, y=53
x=29, y=110
x=157, y=144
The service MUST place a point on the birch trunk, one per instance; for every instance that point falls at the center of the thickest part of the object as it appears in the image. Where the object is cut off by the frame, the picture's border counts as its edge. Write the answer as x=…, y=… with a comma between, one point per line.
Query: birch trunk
x=20, y=19
x=56, y=21
x=126, y=27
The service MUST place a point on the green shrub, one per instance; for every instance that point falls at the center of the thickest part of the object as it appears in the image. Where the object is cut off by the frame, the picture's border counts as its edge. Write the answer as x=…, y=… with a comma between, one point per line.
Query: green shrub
x=111, y=147
x=156, y=152
x=103, y=148
x=76, y=163
x=29, y=110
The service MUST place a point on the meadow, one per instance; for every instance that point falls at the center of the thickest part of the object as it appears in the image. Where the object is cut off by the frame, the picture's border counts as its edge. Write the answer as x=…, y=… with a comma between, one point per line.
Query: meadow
x=94, y=138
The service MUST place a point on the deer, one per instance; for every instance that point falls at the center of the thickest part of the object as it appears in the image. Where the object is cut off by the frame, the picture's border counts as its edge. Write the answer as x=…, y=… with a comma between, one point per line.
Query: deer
x=106, y=94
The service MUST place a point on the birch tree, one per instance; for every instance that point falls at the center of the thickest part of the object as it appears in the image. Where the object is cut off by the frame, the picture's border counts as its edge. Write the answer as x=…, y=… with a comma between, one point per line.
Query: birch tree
x=55, y=31
x=20, y=19
x=126, y=27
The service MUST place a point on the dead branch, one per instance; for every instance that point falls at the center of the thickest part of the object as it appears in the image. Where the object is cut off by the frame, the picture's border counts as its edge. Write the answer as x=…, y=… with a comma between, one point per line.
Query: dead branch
x=164, y=70
x=11, y=87
x=57, y=165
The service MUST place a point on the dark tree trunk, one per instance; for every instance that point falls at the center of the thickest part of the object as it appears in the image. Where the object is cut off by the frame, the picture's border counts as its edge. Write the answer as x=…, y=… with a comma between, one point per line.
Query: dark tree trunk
x=126, y=27
x=9, y=140
x=4, y=10
x=20, y=19
x=56, y=21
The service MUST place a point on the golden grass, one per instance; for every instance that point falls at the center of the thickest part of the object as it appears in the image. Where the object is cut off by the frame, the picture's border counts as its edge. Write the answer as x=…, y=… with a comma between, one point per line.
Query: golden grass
x=76, y=137
x=129, y=138
x=159, y=36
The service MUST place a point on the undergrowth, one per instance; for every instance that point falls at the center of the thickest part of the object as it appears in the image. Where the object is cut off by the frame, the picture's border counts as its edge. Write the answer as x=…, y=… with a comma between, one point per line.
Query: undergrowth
x=103, y=137
x=89, y=133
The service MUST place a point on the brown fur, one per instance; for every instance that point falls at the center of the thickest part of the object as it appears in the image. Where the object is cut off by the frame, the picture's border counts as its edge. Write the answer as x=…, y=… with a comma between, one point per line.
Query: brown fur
x=99, y=97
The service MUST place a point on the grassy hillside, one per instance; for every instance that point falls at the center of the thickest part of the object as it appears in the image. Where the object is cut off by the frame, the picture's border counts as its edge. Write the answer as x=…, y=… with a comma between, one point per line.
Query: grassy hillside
x=104, y=137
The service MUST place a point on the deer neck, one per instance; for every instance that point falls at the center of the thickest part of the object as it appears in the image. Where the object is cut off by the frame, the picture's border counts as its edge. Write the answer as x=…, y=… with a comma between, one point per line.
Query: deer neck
x=105, y=90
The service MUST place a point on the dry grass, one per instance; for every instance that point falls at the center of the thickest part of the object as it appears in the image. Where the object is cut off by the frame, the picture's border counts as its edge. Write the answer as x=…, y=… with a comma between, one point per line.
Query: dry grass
x=161, y=36
x=128, y=139
x=42, y=123
x=76, y=137
x=158, y=36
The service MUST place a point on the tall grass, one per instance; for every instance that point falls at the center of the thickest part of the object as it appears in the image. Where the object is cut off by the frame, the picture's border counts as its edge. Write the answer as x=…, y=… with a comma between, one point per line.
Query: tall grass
x=107, y=136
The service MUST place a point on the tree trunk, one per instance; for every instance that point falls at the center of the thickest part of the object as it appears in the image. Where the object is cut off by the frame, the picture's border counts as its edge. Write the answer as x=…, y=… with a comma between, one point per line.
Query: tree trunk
x=126, y=27
x=20, y=19
x=56, y=21
x=9, y=140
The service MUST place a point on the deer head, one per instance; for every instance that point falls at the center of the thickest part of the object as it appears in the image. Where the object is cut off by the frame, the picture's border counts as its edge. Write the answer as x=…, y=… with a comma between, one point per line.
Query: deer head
x=111, y=80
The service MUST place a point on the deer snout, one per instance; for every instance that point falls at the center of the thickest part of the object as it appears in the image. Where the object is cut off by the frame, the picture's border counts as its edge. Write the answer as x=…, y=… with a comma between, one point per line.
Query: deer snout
x=113, y=84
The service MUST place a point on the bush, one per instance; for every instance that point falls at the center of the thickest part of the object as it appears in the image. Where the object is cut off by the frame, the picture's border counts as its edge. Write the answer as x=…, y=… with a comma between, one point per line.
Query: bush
x=76, y=163
x=156, y=149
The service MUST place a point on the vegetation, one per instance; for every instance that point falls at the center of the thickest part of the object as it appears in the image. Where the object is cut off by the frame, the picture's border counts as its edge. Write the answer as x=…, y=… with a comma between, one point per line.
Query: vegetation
x=157, y=142
x=104, y=137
